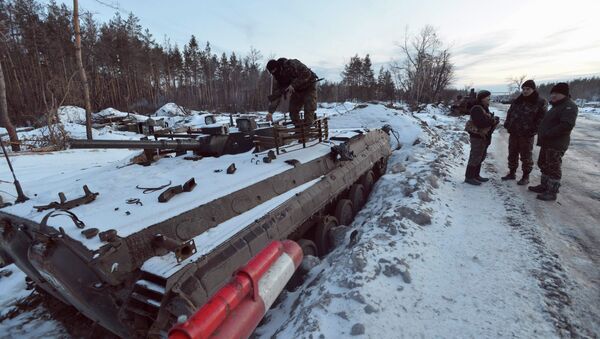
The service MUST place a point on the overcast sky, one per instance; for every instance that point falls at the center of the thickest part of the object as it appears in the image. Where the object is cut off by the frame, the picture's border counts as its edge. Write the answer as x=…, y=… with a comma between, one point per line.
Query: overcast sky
x=490, y=40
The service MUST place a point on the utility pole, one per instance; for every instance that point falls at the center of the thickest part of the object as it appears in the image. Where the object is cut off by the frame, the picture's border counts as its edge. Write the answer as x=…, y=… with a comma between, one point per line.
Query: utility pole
x=86, y=88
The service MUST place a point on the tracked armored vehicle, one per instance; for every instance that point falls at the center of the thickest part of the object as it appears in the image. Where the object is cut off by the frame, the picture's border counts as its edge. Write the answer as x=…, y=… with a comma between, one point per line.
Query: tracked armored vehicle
x=141, y=246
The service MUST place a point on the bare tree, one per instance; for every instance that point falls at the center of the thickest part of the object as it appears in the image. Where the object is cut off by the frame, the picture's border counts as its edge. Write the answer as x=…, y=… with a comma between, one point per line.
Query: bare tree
x=86, y=88
x=4, y=118
x=515, y=82
x=426, y=69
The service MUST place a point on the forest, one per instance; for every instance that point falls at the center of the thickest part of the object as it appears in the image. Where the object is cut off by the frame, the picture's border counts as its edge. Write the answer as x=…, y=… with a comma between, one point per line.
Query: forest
x=129, y=70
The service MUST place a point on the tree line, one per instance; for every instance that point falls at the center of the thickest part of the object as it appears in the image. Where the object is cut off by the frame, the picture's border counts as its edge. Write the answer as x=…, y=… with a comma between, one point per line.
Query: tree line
x=582, y=88
x=129, y=70
x=360, y=84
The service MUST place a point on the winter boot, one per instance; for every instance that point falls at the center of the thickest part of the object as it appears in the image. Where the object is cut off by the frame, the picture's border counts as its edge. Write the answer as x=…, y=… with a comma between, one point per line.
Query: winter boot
x=524, y=180
x=541, y=188
x=470, y=176
x=479, y=177
x=551, y=191
x=511, y=175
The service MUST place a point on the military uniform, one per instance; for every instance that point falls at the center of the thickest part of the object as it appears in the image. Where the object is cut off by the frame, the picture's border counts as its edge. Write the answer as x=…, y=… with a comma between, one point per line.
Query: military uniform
x=480, y=127
x=522, y=121
x=303, y=80
x=554, y=137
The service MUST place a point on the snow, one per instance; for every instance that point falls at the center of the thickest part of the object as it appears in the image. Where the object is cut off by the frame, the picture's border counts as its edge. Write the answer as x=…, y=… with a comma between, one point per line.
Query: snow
x=167, y=265
x=31, y=324
x=115, y=182
x=428, y=256
x=71, y=114
x=176, y=116
x=114, y=113
x=170, y=110
x=13, y=288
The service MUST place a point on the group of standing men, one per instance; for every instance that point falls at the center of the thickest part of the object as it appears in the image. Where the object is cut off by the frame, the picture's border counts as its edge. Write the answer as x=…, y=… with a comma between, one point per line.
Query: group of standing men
x=527, y=116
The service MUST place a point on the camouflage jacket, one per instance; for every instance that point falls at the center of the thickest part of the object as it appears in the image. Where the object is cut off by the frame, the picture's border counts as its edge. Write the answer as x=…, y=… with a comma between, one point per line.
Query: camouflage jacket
x=295, y=73
x=482, y=122
x=292, y=72
x=555, y=129
x=525, y=114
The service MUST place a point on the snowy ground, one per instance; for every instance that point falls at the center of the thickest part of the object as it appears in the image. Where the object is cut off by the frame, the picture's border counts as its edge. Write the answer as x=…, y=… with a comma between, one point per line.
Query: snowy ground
x=433, y=257
x=428, y=256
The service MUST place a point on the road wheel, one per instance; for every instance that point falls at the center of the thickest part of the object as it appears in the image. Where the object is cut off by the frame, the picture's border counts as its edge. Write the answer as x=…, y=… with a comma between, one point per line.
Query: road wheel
x=357, y=196
x=381, y=167
x=367, y=180
x=323, y=237
x=308, y=247
x=344, y=212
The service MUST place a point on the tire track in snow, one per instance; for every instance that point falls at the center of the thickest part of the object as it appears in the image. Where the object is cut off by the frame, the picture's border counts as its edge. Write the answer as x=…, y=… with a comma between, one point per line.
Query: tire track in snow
x=550, y=275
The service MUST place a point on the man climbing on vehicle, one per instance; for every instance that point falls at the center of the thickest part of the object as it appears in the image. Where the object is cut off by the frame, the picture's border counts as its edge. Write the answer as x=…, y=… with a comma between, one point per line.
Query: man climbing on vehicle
x=295, y=79
x=522, y=121
x=554, y=137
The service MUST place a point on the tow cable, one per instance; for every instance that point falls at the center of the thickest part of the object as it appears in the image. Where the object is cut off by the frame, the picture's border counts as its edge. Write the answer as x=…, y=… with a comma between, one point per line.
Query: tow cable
x=152, y=189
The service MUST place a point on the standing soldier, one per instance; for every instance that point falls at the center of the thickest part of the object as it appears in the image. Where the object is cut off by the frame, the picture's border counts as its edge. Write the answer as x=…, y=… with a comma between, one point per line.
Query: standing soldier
x=293, y=78
x=522, y=121
x=472, y=94
x=480, y=126
x=554, y=136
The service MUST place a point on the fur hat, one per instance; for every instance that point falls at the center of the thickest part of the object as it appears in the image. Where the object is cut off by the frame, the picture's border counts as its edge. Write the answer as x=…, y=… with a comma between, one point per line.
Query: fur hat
x=483, y=94
x=529, y=83
x=272, y=65
x=561, y=87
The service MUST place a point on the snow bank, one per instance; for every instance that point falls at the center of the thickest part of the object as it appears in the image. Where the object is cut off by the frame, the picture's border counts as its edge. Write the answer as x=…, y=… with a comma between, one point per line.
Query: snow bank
x=590, y=111
x=170, y=110
x=13, y=287
x=31, y=324
x=71, y=114
x=115, y=113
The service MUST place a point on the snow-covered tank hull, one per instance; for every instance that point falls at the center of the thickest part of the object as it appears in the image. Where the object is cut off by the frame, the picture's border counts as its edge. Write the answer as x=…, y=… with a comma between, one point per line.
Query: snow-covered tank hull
x=139, y=277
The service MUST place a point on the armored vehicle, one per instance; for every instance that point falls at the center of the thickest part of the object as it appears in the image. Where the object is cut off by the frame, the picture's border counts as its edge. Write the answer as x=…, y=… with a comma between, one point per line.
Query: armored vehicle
x=140, y=246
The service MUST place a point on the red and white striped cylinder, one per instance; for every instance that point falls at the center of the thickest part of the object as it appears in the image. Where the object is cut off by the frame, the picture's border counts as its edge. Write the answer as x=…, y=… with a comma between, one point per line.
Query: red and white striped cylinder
x=236, y=309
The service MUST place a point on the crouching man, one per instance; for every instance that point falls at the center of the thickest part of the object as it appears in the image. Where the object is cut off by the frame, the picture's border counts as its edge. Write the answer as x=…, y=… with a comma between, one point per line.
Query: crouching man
x=522, y=122
x=554, y=136
x=293, y=78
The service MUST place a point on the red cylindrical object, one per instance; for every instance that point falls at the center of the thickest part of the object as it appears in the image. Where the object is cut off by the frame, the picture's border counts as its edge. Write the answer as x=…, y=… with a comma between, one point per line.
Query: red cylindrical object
x=242, y=321
x=293, y=250
x=257, y=267
x=211, y=316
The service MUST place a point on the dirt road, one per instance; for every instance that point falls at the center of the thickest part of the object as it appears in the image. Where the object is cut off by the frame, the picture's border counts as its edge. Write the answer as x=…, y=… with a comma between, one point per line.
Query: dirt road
x=569, y=227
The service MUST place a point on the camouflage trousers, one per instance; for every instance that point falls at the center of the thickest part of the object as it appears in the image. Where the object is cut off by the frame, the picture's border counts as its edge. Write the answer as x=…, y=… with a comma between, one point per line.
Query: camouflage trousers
x=306, y=98
x=478, y=151
x=550, y=161
x=520, y=146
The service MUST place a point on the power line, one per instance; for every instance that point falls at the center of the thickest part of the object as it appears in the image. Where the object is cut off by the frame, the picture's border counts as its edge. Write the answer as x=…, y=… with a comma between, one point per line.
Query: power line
x=114, y=5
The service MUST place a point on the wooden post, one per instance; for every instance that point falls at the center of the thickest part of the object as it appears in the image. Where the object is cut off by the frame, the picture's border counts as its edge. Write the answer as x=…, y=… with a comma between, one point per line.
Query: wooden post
x=320, y=130
x=276, y=138
x=86, y=88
